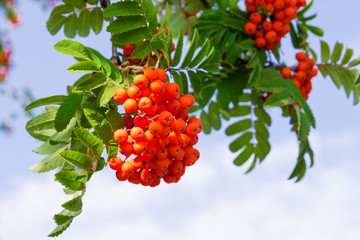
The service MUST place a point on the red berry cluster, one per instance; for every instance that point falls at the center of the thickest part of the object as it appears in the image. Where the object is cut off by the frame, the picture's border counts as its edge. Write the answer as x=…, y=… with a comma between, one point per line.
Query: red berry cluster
x=130, y=48
x=4, y=62
x=302, y=74
x=161, y=135
x=269, y=20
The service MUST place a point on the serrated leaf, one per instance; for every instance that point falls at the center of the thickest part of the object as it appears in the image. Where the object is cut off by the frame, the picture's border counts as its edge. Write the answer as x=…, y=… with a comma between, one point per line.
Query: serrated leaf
x=239, y=126
x=71, y=180
x=74, y=204
x=214, y=116
x=148, y=9
x=240, y=142
x=74, y=49
x=166, y=17
x=89, y=82
x=42, y=126
x=67, y=111
x=52, y=100
x=192, y=48
x=62, y=9
x=50, y=162
x=354, y=62
x=304, y=129
x=130, y=37
x=48, y=148
x=202, y=53
x=85, y=66
x=142, y=50
x=55, y=23
x=104, y=62
x=347, y=56
x=178, y=50
x=195, y=81
x=76, y=3
x=255, y=76
x=184, y=83
x=77, y=159
x=240, y=111
x=126, y=23
x=96, y=20
x=244, y=155
x=115, y=119
x=92, y=142
x=336, y=54
x=315, y=30
x=246, y=44
x=65, y=135
x=262, y=115
x=205, y=120
x=70, y=26
x=83, y=24
x=126, y=8
x=278, y=99
x=107, y=93
x=325, y=52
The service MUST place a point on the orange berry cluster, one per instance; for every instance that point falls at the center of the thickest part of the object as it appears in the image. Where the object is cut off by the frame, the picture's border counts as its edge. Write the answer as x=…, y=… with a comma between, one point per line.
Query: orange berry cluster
x=269, y=20
x=130, y=48
x=161, y=135
x=302, y=74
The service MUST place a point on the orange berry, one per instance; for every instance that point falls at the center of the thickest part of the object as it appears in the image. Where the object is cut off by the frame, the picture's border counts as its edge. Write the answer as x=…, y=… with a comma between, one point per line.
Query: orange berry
x=286, y=73
x=260, y=42
x=165, y=132
x=174, y=150
x=267, y=26
x=184, y=140
x=189, y=160
x=134, y=61
x=279, y=15
x=255, y=17
x=174, y=138
x=162, y=76
x=139, y=147
x=290, y=12
x=185, y=103
x=250, y=28
x=140, y=80
x=270, y=36
x=145, y=91
x=128, y=50
x=121, y=176
x=128, y=168
x=166, y=118
x=279, y=4
x=157, y=87
x=191, y=97
x=120, y=135
x=178, y=125
x=173, y=90
x=304, y=66
x=269, y=8
x=183, y=115
x=145, y=104
x=278, y=26
x=133, y=92
x=155, y=128
x=196, y=154
x=151, y=73
x=134, y=178
x=137, y=133
x=145, y=175
x=141, y=121
x=188, y=150
x=115, y=163
x=191, y=129
x=251, y=7
x=301, y=56
x=120, y=95
x=176, y=166
x=193, y=140
x=126, y=148
x=297, y=82
x=130, y=105
x=173, y=106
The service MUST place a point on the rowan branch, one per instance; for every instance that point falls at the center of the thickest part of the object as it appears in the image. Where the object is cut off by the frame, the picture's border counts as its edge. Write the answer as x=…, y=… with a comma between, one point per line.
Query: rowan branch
x=115, y=56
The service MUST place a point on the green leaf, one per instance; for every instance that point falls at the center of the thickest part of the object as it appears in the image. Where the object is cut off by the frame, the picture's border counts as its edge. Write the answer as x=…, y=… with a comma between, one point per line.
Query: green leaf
x=325, y=52
x=89, y=140
x=42, y=126
x=354, y=62
x=74, y=49
x=104, y=62
x=195, y=82
x=62, y=9
x=65, y=135
x=83, y=25
x=85, y=66
x=77, y=159
x=304, y=129
x=89, y=82
x=67, y=111
x=74, y=204
x=262, y=115
x=76, y=3
x=148, y=9
x=71, y=180
x=202, y=53
x=278, y=99
x=255, y=76
x=347, y=56
x=107, y=93
x=125, y=24
x=214, y=116
x=115, y=119
x=55, y=23
x=126, y=8
x=130, y=37
x=192, y=48
x=205, y=120
x=98, y=122
x=50, y=162
x=239, y=126
x=240, y=142
x=185, y=84
x=337, y=52
x=142, y=50
x=247, y=44
x=96, y=20
x=48, y=147
x=56, y=99
x=178, y=50
x=92, y=2
x=244, y=155
x=315, y=30
x=70, y=26
x=240, y=111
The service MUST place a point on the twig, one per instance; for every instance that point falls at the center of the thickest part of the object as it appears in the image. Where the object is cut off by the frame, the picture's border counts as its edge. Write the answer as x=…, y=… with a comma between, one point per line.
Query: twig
x=115, y=56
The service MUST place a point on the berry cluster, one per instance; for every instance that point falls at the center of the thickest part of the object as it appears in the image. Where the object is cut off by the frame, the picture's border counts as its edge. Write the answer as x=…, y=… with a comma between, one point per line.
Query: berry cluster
x=130, y=48
x=5, y=55
x=269, y=20
x=161, y=135
x=302, y=74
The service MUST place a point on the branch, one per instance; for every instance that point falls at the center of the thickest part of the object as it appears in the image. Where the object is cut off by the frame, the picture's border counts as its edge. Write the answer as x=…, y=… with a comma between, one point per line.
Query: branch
x=115, y=56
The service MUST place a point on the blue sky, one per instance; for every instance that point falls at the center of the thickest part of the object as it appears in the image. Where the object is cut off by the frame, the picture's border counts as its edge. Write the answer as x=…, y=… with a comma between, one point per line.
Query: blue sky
x=214, y=199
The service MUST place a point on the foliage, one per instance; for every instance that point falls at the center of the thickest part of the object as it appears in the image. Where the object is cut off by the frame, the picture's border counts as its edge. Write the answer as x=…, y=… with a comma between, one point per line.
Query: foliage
x=230, y=77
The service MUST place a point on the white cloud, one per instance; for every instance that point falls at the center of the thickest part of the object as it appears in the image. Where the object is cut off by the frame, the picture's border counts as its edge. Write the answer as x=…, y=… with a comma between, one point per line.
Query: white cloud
x=213, y=201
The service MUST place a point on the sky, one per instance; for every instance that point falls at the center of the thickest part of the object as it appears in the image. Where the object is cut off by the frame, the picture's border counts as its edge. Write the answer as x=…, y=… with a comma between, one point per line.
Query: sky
x=214, y=200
